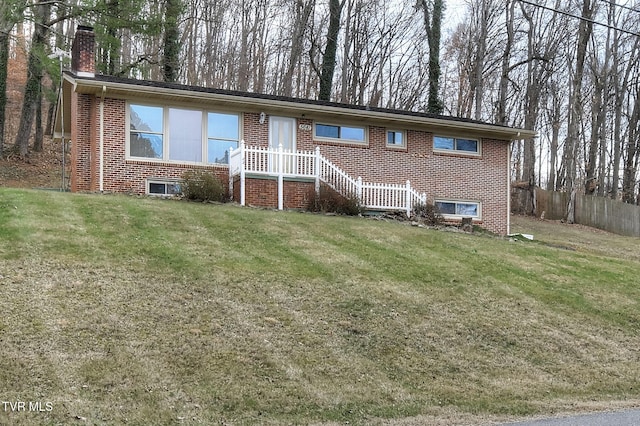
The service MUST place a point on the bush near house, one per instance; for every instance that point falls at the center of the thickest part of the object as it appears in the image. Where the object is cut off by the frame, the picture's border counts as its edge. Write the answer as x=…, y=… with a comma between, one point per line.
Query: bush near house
x=328, y=200
x=428, y=213
x=198, y=185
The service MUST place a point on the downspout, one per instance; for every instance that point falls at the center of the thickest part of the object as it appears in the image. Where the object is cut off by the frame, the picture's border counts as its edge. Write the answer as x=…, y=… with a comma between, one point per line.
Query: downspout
x=101, y=180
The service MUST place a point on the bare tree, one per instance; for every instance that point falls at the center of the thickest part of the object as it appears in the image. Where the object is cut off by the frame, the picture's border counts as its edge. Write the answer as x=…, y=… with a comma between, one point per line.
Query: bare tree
x=433, y=11
x=329, y=55
x=171, y=39
x=632, y=151
x=31, y=106
x=302, y=13
x=11, y=12
x=571, y=152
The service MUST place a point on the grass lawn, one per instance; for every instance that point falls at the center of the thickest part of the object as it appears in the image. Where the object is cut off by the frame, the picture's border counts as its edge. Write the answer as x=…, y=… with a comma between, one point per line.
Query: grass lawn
x=133, y=310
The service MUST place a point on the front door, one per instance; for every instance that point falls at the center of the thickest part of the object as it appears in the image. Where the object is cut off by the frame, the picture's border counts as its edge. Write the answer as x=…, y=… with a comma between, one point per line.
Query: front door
x=282, y=131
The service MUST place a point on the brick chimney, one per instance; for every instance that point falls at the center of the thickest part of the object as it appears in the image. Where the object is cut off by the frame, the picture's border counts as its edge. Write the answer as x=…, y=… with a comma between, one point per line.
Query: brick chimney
x=83, y=58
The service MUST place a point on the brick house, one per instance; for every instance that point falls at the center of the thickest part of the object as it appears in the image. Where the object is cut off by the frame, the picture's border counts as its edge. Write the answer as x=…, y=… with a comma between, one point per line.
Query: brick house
x=138, y=136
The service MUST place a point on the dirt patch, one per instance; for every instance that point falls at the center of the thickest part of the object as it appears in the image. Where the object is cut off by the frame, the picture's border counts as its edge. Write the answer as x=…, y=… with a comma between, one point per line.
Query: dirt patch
x=38, y=170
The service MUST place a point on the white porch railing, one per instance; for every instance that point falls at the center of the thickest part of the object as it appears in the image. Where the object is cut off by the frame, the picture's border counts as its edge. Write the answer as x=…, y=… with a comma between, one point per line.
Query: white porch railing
x=311, y=164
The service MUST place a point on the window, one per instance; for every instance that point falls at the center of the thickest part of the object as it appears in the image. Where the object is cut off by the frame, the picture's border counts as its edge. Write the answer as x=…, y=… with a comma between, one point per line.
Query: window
x=176, y=134
x=146, y=125
x=160, y=187
x=342, y=133
x=185, y=135
x=222, y=135
x=395, y=139
x=445, y=143
x=459, y=208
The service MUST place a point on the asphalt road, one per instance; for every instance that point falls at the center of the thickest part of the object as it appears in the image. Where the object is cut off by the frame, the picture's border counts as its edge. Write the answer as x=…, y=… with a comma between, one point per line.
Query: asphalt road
x=617, y=418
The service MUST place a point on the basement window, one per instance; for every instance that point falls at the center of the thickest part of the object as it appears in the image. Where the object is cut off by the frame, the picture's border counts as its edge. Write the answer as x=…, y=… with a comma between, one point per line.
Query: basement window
x=458, y=209
x=163, y=188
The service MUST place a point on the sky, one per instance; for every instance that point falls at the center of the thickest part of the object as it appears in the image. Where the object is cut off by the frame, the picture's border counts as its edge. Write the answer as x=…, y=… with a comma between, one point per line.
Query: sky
x=453, y=13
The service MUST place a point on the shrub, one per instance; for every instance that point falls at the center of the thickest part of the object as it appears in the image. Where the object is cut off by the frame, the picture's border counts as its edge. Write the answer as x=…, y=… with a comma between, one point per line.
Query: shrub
x=428, y=213
x=331, y=201
x=199, y=185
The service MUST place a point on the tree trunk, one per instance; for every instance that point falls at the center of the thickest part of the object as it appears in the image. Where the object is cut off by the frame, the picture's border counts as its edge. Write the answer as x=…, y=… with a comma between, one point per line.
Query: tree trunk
x=633, y=152
x=598, y=110
x=575, y=108
x=329, y=57
x=484, y=17
x=4, y=62
x=38, y=140
x=620, y=88
x=111, y=45
x=554, y=118
x=501, y=113
x=11, y=12
x=171, y=40
x=32, y=95
x=432, y=26
x=302, y=15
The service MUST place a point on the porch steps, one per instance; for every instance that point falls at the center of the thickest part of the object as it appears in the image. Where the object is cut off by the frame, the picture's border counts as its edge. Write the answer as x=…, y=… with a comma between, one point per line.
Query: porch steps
x=282, y=163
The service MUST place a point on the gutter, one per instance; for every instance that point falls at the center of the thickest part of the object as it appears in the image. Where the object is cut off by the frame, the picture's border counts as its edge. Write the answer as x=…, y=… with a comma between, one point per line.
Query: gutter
x=509, y=185
x=297, y=109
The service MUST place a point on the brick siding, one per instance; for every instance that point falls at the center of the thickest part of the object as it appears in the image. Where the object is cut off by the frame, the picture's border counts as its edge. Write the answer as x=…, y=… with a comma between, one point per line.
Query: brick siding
x=119, y=173
x=448, y=176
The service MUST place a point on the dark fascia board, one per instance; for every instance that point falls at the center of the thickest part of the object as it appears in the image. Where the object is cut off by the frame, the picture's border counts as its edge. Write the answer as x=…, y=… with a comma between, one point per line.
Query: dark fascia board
x=131, y=89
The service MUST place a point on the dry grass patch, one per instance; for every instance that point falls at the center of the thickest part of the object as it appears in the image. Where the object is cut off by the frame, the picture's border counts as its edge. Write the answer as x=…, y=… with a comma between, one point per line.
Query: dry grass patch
x=134, y=310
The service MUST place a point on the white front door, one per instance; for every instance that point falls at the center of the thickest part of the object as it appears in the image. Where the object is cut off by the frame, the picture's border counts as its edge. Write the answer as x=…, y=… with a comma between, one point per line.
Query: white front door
x=282, y=131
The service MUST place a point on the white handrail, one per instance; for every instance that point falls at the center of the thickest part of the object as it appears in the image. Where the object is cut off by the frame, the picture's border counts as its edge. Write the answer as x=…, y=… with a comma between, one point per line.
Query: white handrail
x=286, y=163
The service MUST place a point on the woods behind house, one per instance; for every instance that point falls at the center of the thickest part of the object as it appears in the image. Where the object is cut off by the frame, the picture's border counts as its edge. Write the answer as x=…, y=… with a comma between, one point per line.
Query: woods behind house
x=569, y=70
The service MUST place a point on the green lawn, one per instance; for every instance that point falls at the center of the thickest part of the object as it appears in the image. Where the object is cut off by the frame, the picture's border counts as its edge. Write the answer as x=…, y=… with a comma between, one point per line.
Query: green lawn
x=133, y=310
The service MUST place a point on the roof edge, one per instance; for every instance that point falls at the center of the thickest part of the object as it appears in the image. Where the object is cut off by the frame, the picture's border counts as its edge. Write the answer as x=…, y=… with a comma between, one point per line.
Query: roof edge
x=131, y=88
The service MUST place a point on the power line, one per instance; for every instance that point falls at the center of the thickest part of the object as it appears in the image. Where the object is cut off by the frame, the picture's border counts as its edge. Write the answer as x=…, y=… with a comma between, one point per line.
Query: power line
x=582, y=18
x=612, y=3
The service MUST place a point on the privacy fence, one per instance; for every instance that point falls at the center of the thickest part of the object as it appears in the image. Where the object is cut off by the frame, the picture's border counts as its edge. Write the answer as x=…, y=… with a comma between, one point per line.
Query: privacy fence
x=597, y=212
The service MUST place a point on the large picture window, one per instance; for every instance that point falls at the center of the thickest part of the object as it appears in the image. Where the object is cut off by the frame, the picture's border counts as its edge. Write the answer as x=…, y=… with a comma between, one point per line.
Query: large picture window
x=146, y=132
x=185, y=135
x=223, y=135
x=182, y=135
x=460, y=145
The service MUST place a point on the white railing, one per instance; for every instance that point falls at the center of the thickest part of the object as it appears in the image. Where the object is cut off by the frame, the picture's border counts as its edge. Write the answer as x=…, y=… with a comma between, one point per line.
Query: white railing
x=381, y=196
x=337, y=178
x=311, y=164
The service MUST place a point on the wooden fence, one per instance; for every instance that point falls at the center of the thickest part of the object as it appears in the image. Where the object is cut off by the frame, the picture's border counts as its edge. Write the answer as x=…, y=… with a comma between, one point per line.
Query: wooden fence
x=597, y=212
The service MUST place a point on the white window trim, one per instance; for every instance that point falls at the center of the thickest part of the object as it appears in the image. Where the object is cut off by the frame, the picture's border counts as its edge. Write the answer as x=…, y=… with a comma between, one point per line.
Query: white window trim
x=455, y=151
x=128, y=155
x=164, y=181
x=393, y=146
x=344, y=141
x=458, y=201
x=165, y=133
